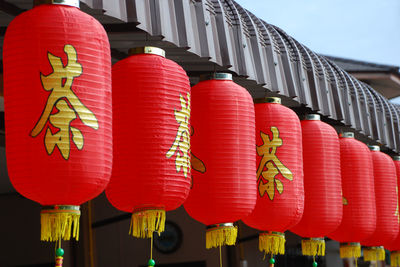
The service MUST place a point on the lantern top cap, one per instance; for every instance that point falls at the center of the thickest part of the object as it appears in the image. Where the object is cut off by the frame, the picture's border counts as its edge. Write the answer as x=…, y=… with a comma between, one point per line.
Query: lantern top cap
x=147, y=50
x=312, y=117
x=74, y=3
x=216, y=76
x=374, y=148
x=274, y=100
x=347, y=135
x=396, y=158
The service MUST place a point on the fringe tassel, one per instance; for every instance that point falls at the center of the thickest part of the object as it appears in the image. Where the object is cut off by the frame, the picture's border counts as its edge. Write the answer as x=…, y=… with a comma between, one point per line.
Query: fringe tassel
x=395, y=258
x=374, y=254
x=59, y=222
x=272, y=243
x=221, y=234
x=313, y=247
x=145, y=222
x=350, y=250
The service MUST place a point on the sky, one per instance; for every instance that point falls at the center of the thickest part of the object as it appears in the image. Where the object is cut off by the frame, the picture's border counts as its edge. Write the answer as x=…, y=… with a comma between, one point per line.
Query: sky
x=367, y=30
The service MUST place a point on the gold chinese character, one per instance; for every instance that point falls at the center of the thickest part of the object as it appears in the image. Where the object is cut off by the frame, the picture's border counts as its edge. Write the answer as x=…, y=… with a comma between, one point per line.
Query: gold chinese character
x=68, y=105
x=181, y=145
x=197, y=164
x=270, y=165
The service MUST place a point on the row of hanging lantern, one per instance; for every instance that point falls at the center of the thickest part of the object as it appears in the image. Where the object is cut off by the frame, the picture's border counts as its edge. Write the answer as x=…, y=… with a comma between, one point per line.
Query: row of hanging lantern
x=61, y=129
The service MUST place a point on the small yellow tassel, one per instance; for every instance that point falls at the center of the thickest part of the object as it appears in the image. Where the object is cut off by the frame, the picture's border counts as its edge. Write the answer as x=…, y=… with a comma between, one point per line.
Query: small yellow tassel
x=395, y=258
x=313, y=247
x=374, y=254
x=221, y=234
x=57, y=222
x=350, y=250
x=145, y=222
x=272, y=243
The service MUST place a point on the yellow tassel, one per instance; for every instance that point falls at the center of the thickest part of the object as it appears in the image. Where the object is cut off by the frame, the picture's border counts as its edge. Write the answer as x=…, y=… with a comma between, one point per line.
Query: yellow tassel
x=374, y=254
x=272, y=243
x=145, y=222
x=221, y=234
x=59, y=222
x=350, y=250
x=395, y=258
x=313, y=247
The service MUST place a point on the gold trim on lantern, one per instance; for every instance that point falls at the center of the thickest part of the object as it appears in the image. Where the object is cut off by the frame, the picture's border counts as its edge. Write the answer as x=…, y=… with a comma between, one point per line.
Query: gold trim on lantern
x=350, y=250
x=272, y=243
x=273, y=100
x=59, y=222
x=146, y=221
x=374, y=253
x=74, y=3
x=313, y=246
x=374, y=148
x=147, y=50
x=220, y=235
x=216, y=76
x=347, y=135
x=312, y=117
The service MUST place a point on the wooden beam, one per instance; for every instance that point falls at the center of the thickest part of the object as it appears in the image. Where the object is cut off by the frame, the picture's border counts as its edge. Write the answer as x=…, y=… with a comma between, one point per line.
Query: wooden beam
x=10, y=9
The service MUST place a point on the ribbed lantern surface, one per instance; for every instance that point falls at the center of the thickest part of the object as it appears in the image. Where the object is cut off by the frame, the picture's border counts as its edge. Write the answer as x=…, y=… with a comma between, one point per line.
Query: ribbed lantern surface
x=151, y=170
x=223, y=162
x=57, y=93
x=387, y=218
x=280, y=191
x=394, y=247
x=322, y=185
x=359, y=212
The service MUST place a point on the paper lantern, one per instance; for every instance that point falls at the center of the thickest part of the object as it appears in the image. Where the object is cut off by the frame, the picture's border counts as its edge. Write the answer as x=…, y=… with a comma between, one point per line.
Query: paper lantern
x=223, y=162
x=151, y=170
x=280, y=191
x=359, y=213
x=394, y=247
x=57, y=92
x=387, y=218
x=322, y=185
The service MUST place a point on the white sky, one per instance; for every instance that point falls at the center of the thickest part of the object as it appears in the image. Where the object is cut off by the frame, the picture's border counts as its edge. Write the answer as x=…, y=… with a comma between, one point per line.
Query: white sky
x=367, y=30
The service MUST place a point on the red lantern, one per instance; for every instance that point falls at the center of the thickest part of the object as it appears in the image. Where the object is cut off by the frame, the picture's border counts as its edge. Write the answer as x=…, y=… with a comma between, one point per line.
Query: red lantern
x=151, y=170
x=322, y=185
x=387, y=218
x=57, y=86
x=359, y=214
x=394, y=247
x=223, y=163
x=280, y=191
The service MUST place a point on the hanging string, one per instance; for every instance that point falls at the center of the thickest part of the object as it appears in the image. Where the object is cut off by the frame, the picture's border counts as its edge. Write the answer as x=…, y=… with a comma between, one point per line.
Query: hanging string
x=151, y=262
x=314, y=264
x=59, y=254
x=220, y=256
x=272, y=261
x=356, y=261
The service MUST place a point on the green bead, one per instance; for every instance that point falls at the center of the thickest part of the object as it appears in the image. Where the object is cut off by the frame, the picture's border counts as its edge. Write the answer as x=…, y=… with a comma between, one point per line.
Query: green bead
x=314, y=264
x=151, y=262
x=59, y=252
x=272, y=261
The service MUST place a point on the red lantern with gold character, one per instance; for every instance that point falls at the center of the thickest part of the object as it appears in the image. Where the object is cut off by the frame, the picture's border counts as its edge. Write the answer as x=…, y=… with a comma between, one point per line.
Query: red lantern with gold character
x=359, y=214
x=280, y=191
x=223, y=162
x=394, y=247
x=387, y=217
x=151, y=170
x=57, y=92
x=322, y=185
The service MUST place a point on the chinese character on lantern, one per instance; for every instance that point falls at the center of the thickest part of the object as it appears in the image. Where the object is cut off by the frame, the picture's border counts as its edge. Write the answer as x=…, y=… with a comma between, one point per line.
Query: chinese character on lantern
x=181, y=145
x=68, y=105
x=272, y=164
